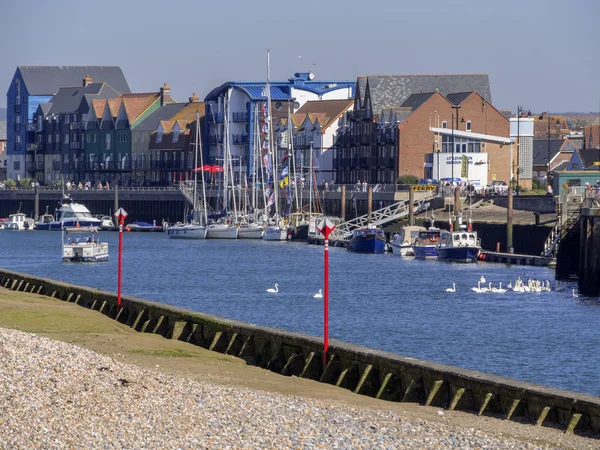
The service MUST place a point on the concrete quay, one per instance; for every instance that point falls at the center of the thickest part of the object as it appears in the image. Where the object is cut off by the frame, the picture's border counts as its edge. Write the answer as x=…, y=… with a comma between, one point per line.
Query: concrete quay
x=377, y=374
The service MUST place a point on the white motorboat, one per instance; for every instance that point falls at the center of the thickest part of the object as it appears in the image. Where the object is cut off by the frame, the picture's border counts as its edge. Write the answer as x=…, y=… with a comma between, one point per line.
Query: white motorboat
x=221, y=231
x=19, y=222
x=82, y=244
x=43, y=222
x=186, y=231
x=402, y=243
x=250, y=231
x=71, y=214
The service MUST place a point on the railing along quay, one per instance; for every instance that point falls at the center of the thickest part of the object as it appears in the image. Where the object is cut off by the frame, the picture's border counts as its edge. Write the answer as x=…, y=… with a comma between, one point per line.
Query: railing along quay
x=378, y=374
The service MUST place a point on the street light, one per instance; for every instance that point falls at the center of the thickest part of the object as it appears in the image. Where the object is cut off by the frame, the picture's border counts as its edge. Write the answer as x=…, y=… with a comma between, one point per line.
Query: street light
x=519, y=111
x=453, y=146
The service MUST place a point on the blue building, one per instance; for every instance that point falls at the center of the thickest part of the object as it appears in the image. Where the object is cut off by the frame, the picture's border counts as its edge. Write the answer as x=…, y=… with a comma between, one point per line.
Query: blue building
x=233, y=109
x=32, y=85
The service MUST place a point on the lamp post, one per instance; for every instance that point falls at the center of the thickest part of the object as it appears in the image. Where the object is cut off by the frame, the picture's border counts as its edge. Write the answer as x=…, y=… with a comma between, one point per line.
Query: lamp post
x=453, y=146
x=519, y=111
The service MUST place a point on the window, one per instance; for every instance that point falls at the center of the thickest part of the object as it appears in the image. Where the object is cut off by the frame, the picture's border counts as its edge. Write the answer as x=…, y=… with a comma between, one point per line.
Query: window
x=159, y=137
x=73, y=137
x=49, y=139
x=66, y=141
x=175, y=136
x=444, y=124
x=94, y=138
x=67, y=117
x=468, y=125
x=84, y=117
x=89, y=138
x=17, y=165
x=18, y=119
x=39, y=138
x=107, y=142
x=39, y=120
x=74, y=117
x=57, y=140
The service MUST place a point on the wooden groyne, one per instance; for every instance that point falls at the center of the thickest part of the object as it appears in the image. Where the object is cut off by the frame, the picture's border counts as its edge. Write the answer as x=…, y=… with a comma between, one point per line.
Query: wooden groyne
x=365, y=371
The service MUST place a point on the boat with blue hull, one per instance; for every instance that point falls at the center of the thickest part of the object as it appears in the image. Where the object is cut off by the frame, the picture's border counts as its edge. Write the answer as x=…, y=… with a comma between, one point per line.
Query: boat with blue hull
x=367, y=240
x=71, y=214
x=426, y=244
x=458, y=246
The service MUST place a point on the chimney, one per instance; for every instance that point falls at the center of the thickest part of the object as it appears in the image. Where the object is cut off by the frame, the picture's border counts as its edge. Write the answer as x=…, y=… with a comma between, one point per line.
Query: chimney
x=87, y=80
x=165, y=94
x=194, y=98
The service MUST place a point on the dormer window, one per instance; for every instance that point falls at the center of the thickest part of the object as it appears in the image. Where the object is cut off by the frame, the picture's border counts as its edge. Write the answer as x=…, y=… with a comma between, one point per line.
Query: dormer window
x=67, y=118
x=40, y=123
x=159, y=136
x=469, y=125
x=175, y=136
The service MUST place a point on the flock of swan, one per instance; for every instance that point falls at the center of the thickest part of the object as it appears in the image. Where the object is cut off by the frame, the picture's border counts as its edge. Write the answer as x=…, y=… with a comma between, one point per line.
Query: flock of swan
x=519, y=286
x=276, y=290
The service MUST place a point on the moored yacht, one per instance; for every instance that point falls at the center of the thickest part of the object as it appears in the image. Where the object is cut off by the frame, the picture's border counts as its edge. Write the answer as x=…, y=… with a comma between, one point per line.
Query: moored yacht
x=18, y=222
x=72, y=214
x=459, y=246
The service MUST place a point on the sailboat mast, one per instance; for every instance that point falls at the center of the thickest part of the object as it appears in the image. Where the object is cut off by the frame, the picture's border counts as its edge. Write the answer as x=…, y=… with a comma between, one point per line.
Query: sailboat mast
x=290, y=129
x=272, y=145
x=195, y=171
x=199, y=149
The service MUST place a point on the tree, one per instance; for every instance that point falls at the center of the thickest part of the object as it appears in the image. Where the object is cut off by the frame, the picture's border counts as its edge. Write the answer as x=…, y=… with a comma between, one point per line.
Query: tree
x=407, y=179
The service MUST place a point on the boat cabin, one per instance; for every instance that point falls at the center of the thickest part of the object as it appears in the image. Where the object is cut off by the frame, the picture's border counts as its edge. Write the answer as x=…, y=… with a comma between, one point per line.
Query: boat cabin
x=461, y=238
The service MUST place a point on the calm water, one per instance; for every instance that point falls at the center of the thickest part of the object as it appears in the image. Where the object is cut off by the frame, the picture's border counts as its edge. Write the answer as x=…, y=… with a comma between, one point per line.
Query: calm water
x=379, y=301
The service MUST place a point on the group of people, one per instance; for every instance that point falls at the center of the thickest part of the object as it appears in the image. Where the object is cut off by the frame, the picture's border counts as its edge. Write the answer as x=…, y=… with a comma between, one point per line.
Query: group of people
x=85, y=186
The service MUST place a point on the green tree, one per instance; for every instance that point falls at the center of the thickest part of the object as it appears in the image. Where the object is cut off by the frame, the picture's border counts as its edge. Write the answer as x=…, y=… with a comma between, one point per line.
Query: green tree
x=407, y=179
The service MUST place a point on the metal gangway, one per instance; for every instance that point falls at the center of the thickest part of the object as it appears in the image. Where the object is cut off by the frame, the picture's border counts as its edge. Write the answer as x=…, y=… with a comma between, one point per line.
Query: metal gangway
x=187, y=189
x=391, y=213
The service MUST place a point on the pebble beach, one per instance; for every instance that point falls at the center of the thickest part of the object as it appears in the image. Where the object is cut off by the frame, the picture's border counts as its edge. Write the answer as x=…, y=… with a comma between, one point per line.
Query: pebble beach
x=55, y=395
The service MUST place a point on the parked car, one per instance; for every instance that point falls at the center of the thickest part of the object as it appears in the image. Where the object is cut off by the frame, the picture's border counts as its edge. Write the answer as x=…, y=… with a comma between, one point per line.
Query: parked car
x=496, y=188
x=476, y=187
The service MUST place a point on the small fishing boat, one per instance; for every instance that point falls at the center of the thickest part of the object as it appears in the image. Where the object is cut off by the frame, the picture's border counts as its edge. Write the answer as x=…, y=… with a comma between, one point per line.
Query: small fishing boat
x=143, y=226
x=18, y=222
x=459, y=246
x=82, y=244
x=43, y=222
x=425, y=246
x=402, y=243
x=367, y=240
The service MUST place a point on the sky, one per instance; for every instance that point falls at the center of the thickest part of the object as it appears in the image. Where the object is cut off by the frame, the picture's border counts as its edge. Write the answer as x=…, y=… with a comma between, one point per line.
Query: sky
x=540, y=55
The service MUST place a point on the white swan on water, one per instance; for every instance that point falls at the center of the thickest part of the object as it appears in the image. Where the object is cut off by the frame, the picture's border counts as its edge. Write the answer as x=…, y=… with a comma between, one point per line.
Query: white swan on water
x=482, y=279
x=478, y=288
x=452, y=289
x=318, y=294
x=274, y=291
x=574, y=294
x=500, y=290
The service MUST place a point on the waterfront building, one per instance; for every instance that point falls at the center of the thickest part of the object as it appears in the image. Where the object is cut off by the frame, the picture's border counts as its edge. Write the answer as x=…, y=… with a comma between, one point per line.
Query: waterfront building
x=233, y=109
x=32, y=85
x=371, y=146
x=313, y=127
x=544, y=150
x=55, y=140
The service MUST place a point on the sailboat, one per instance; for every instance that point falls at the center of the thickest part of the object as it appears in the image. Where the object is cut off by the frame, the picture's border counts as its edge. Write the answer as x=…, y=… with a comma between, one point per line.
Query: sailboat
x=221, y=229
x=193, y=230
x=275, y=230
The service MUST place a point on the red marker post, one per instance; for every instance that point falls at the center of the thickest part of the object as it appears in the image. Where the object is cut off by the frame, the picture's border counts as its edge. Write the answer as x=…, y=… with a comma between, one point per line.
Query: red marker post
x=325, y=227
x=120, y=215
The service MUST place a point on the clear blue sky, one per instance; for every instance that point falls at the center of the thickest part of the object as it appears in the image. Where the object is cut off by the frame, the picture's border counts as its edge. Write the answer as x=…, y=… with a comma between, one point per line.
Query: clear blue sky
x=542, y=55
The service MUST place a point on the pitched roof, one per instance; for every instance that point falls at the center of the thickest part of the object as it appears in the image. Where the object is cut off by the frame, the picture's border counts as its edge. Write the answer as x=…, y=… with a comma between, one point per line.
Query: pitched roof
x=165, y=112
x=114, y=105
x=589, y=156
x=393, y=90
x=543, y=123
x=136, y=104
x=68, y=99
x=415, y=100
x=326, y=110
x=46, y=80
x=458, y=97
x=569, y=146
x=591, y=134
x=545, y=149
x=98, y=105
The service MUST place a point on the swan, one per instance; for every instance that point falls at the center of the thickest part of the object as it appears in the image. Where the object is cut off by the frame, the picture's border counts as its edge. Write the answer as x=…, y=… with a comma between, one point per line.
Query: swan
x=478, y=288
x=574, y=294
x=452, y=289
x=500, y=290
x=318, y=294
x=509, y=285
x=482, y=279
x=548, y=287
x=274, y=291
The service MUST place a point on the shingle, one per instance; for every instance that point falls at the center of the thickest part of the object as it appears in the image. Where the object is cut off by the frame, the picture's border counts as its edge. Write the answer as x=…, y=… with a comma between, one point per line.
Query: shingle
x=46, y=80
x=393, y=90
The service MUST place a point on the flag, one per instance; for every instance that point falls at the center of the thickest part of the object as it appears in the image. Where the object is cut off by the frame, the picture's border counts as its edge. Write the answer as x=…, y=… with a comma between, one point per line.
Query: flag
x=286, y=156
x=266, y=144
x=265, y=128
x=284, y=182
x=267, y=161
x=271, y=200
x=265, y=92
x=269, y=192
x=284, y=172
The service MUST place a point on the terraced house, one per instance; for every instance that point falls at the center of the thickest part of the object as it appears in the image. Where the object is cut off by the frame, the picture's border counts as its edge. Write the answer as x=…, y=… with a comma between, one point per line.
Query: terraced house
x=32, y=86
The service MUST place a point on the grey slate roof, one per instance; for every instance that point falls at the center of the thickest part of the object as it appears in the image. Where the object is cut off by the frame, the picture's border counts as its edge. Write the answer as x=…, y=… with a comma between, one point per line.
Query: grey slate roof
x=361, y=87
x=458, y=97
x=416, y=100
x=2, y=130
x=46, y=80
x=68, y=99
x=393, y=90
x=165, y=112
x=540, y=150
x=588, y=156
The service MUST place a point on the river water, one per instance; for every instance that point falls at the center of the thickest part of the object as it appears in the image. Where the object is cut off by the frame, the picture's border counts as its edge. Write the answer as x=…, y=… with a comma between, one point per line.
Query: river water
x=379, y=301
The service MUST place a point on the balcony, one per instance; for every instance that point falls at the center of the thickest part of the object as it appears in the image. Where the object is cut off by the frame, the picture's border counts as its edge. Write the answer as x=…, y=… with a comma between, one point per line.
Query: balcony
x=75, y=125
x=18, y=108
x=30, y=166
x=239, y=116
x=240, y=139
x=31, y=127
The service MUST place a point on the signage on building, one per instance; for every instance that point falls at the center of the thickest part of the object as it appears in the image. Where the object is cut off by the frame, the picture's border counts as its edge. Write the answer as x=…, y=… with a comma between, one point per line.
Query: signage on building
x=464, y=167
x=597, y=163
x=469, y=166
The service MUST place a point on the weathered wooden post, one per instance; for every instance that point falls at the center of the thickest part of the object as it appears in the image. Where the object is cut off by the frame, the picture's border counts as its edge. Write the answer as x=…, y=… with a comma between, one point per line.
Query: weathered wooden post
x=457, y=207
x=370, y=202
x=411, y=206
x=37, y=203
x=343, y=211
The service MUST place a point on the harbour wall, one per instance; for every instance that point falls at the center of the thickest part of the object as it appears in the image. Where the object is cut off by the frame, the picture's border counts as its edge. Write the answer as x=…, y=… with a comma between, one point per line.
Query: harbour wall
x=365, y=371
